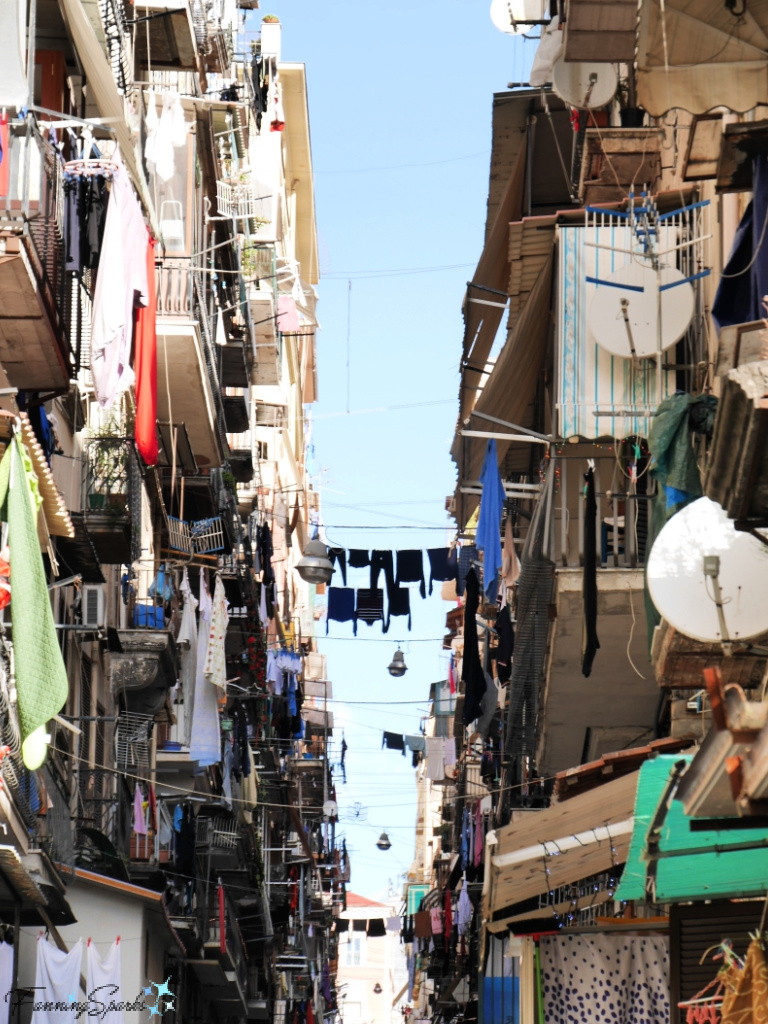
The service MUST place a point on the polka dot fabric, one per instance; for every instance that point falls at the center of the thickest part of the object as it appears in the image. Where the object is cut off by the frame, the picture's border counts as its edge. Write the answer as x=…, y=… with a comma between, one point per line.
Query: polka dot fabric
x=605, y=979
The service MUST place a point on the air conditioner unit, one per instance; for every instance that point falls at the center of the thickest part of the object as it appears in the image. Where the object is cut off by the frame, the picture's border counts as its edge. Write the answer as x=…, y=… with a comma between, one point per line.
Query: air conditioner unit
x=93, y=606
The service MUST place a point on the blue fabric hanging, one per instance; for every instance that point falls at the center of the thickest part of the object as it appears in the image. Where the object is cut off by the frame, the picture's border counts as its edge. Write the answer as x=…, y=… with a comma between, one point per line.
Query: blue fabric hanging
x=739, y=297
x=488, y=537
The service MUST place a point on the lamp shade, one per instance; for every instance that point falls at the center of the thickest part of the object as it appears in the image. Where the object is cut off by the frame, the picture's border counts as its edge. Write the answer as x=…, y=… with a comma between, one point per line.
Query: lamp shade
x=314, y=566
x=397, y=666
x=384, y=843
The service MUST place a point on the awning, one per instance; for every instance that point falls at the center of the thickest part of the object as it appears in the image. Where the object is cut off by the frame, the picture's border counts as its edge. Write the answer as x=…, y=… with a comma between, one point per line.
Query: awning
x=299, y=167
x=696, y=863
x=562, y=845
x=481, y=321
x=54, y=508
x=77, y=555
x=702, y=60
x=510, y=389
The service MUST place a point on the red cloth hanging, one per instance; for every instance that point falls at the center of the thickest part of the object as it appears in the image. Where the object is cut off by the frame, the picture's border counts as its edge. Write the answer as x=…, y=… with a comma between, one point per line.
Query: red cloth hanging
x=5, y=162
x=145, y=365
x=448, y=915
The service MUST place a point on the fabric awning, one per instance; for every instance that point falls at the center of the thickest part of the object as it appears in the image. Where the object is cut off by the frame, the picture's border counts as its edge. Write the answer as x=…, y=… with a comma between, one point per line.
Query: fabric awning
x=591, y=831
x=729, y=863
x=510, y=389
x=700, y=56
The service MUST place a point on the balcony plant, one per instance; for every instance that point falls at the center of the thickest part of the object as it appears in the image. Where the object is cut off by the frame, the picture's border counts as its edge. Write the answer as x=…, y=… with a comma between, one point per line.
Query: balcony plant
x=107, y=467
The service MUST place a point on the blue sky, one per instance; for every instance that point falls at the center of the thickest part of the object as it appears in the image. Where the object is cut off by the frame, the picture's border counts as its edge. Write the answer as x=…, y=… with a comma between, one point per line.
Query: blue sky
x=400, y=109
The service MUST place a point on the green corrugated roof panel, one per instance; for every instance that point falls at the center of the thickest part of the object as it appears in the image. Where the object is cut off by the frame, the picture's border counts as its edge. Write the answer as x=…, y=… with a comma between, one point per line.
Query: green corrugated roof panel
x=698, y=876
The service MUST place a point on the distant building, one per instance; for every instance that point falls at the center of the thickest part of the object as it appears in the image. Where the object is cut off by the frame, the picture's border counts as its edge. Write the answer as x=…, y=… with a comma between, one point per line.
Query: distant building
x=371, y=976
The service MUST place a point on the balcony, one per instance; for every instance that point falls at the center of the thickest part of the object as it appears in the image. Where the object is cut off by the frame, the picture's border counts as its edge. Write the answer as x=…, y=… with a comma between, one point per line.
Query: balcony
x=34, y=338
x=110, y=468
x=188, y=388
x=146, y=668
x=168, y=39
x=222, y=975
x=269, y=348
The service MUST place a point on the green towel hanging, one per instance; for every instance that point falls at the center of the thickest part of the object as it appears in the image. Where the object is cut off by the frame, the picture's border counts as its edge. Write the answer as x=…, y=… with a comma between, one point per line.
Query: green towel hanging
x=41, y=677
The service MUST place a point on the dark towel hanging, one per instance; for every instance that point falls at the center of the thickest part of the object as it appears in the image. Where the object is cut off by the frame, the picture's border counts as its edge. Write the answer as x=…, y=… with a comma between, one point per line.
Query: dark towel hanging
x=410, y=569
x=339, y=555
x=341, y=606
x=358, y=559
x=440, y=568
x=590, y=643
x=382, y=560
x=472, y=673
x=506, y=634
x=376, y=928
x=370, y=606
x=393, y=741
x=399, y=604
x=467, y=556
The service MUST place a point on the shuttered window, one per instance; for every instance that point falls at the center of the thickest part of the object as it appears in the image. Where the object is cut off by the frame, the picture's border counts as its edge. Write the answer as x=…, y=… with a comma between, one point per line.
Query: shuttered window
x=693, y=929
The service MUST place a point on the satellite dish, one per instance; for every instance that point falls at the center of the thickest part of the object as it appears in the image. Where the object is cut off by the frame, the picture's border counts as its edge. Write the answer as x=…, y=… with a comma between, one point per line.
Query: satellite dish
x=606, y=311
x=330, y=808
x=585, y=86
x=685, y=596
x=505, y=14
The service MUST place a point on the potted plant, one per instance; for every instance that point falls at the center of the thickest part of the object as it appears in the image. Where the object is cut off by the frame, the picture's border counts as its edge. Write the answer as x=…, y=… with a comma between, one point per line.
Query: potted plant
x=630, y=114
x=107, y=467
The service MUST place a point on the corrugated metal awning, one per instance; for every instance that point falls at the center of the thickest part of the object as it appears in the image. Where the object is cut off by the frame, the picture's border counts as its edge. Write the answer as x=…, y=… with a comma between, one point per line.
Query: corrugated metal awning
x=694, y=863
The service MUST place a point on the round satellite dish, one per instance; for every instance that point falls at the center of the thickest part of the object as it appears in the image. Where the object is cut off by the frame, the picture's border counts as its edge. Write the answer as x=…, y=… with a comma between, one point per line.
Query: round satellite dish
x=606, y=311
x=506, y=14
x=330, y=808
x=585, y=86
x=682, y=592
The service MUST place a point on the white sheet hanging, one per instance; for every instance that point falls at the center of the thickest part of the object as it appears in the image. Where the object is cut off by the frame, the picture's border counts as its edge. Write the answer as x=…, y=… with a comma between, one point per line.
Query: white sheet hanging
x=215, y=657
x=205, y=741
x=103, y=980
x=13, y=73
x=57, y=980
x=188, y=633
x=6, y=980
x=121, y=278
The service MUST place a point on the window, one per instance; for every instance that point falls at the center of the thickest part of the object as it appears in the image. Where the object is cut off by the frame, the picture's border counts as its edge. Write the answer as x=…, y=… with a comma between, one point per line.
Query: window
x=354, y=951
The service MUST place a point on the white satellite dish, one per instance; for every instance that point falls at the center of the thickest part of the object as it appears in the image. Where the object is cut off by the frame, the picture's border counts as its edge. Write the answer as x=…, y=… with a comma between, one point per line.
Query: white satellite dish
x=506, y=14
x=586, y=86
x=640, y=330
x=685, y=596
x=330, y=808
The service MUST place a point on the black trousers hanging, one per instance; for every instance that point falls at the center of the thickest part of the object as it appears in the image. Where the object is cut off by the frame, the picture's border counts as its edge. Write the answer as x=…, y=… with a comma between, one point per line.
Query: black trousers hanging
x=590, y=643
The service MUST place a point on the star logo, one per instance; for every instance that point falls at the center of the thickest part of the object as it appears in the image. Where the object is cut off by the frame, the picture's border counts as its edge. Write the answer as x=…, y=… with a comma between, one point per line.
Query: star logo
x=163, y=990
x=158, y=1008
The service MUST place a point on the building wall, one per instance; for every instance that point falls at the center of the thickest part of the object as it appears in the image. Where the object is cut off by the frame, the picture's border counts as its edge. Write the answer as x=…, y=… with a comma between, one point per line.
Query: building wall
x=103, y=914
